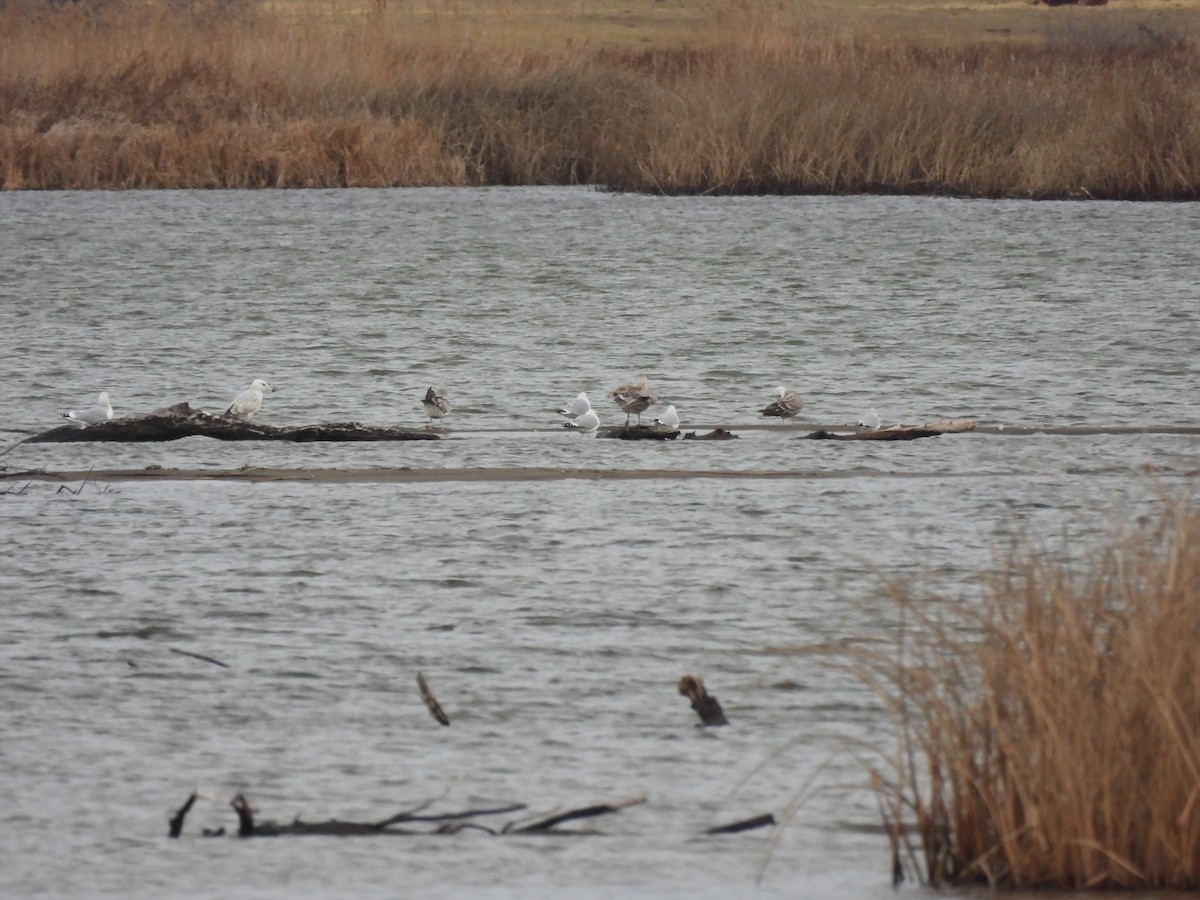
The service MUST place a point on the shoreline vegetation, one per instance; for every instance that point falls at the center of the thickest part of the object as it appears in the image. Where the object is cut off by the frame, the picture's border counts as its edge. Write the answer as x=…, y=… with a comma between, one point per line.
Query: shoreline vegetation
x=724, y=98
x=1049, y=737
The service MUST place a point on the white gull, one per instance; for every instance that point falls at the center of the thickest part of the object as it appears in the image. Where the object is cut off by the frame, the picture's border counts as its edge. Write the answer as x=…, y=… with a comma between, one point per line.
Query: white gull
x=101, y=412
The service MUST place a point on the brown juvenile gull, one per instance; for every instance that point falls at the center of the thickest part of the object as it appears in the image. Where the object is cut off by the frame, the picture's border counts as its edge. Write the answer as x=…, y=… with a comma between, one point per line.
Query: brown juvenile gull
x=101, y=412
x=247, y=404
x=634, y=399
x=785, y=405
x=435, y=405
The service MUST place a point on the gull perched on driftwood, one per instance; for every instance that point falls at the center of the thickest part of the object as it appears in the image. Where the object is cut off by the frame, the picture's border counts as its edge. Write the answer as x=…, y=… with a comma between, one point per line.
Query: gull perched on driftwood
x=247, y=404
x=435, y=405
x=871, y=420
x=785, y=405
x=576, y=407
x=101, y=412
x=634, y=399
x=669, y=419
x=585, y=421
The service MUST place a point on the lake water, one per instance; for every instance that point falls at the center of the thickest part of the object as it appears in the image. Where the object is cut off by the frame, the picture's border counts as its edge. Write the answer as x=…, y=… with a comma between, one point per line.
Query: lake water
x=553, y=619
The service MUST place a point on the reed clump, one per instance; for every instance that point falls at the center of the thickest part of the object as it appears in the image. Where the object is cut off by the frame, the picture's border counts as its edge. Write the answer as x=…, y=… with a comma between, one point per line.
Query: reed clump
x=1051, y=739
x=141, y=95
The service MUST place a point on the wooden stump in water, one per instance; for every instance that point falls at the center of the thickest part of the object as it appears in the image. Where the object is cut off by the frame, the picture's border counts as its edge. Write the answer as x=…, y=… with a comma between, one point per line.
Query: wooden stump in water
x=181, y=421
x=717, y=434
x=637, y=433
x=898, y=432
x=705, y=705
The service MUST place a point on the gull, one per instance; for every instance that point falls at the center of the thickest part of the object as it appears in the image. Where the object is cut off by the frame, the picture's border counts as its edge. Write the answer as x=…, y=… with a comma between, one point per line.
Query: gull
x=435, y=405
x=668, y=420
x=634, y=399
x=871, y=420
x=247, y=404
x=101, y=412
x=785, y=405
x=586, y=421
x=577, y=407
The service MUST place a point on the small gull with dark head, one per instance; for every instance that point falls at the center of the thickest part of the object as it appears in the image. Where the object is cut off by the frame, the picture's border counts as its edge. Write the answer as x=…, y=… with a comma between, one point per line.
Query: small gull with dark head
x=669, y=419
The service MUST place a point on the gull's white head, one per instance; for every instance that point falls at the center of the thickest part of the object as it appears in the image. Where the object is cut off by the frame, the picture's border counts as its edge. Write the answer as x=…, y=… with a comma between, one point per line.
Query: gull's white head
x=102, y=400
x=259, y=385
x=780, y=391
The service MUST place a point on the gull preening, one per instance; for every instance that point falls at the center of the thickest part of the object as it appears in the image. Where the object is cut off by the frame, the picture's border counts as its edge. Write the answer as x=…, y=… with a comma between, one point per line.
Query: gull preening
x=247, y=404
x=871, y=420
x=577, y=407
x=101, y=412
x=669, y=419
x=785, y=405
x=585, y=421
x=634, y=399
x=435, y=405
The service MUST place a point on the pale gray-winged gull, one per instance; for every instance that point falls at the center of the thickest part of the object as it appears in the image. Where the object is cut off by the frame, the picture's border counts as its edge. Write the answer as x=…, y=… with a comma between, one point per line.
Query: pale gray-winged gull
x=786, y=405
x=586, y=421
x=577, y=407
x=435, y=405
x=101, y=412
x=871, y=420
x=247, y=404
x=634, y=399
x=669, y=419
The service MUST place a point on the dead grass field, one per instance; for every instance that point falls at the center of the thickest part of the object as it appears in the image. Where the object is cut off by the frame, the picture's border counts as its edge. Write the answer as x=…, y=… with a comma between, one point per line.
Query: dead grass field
x=1000, y=100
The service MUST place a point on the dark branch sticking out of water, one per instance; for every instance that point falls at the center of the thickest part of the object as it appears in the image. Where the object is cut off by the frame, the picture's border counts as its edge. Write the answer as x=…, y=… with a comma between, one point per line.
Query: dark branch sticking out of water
x=181, y=421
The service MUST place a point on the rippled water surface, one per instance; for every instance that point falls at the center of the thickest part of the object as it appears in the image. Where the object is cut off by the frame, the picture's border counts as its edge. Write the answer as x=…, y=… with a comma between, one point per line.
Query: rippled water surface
x=552, y=618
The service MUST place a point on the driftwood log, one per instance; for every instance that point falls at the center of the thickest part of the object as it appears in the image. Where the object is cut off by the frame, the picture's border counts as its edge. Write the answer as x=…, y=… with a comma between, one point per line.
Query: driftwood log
x=637, y=433
x=898, y=432
x=181, y=420
x=717, y=434
x=447, y=823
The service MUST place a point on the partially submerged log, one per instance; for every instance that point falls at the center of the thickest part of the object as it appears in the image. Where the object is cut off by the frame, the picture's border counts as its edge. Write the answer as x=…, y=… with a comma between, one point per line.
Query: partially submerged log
x=637, y=433
x=898, y=432
x=431, y=703
x=717, y=434
x=705, y=705
x=181, y=420
x=743, y=825
x=447, y=823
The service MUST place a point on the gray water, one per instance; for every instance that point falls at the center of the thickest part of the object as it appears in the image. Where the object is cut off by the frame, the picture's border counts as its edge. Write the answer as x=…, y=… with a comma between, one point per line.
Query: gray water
x=552, y=619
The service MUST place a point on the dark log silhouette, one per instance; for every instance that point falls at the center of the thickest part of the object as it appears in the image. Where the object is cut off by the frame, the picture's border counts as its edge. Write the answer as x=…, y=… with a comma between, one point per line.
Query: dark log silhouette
x=200, y=656
x=743, y=825
x=181, y=421
x=717, y=434
x=447, y=823
x=705, y=705
x=897, y=432
x=637, y=433
x=435, y=708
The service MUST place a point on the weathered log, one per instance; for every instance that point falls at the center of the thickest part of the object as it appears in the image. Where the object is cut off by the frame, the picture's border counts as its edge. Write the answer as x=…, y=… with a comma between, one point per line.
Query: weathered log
x=705, y=705
x=546, y=825
x=175, y=823
x=898, y=432
x=717, y=434
x=181, y=420
x=743, y=825
x=637, y=433
x=200, y=656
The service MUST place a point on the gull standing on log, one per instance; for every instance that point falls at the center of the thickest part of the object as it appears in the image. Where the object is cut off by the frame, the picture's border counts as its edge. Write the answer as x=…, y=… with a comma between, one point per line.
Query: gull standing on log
x=247, y=404
x=101, y=412
x=871, y=420
x=785, y=405
x=435, y=405
x=669, y=419
x=634, y=399
x=576, y=407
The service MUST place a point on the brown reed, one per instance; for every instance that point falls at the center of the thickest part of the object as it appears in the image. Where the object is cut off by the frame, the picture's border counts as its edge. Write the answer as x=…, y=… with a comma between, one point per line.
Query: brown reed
x=151, y=96
x=1051, y=737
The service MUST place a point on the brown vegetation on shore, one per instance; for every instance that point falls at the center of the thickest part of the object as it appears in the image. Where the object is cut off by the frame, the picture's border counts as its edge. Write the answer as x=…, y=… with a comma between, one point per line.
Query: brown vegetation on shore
x=1053, y=738
x=146, y=97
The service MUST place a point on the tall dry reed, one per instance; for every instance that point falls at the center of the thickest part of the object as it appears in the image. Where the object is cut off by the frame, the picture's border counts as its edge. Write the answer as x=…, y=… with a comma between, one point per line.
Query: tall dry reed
x=147, y=96
x=1052, y=737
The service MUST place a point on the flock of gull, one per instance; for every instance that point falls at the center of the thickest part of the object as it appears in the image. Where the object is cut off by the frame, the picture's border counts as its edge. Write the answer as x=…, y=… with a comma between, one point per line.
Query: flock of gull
x=633, y=400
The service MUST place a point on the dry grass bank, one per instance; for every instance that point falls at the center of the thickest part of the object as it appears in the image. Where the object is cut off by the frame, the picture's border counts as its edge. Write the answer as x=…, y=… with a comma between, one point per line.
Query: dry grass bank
x=142, y=97
x=1053, y=740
